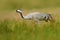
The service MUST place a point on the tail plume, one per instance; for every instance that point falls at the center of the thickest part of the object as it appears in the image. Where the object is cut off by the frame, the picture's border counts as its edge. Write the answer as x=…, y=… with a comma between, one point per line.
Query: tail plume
x=51, y=19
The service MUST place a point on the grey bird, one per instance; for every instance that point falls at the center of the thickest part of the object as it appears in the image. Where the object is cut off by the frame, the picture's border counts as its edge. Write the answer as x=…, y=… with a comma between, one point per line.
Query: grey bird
x=36, y=16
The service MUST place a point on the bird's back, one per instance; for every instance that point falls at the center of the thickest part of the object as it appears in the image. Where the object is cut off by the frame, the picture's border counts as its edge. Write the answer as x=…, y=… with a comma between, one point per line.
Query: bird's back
x=37, y=15
x=33, y=14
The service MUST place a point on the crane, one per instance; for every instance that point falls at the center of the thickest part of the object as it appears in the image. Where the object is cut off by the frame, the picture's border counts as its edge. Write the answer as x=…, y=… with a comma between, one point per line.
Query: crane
x=36, y=16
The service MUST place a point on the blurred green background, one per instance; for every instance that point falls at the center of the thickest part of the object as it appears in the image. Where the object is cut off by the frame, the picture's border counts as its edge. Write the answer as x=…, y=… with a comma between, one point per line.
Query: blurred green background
x=12, y=27
x=28, y=4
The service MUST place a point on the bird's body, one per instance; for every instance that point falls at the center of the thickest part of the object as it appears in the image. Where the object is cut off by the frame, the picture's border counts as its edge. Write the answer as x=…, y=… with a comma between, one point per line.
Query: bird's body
x=36, y=16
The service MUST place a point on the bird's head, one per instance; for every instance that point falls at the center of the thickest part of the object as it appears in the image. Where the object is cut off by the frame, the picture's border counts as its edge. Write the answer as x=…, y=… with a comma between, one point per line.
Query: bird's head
x=19, y=11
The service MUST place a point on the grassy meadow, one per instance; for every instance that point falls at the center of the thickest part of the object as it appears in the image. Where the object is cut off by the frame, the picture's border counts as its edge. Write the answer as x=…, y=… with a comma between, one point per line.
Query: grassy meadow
x=13, y=27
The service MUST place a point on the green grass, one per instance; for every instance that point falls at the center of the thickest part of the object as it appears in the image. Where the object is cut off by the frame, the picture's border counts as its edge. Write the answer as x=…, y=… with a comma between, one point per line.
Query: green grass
x=11, y=29
x=22, y=30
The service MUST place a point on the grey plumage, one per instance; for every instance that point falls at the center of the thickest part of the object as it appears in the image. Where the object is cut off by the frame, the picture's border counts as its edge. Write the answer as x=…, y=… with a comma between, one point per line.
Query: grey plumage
x=36, y=16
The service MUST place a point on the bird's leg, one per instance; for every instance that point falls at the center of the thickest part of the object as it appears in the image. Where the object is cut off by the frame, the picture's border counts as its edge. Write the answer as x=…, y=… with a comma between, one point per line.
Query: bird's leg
x=37, y=21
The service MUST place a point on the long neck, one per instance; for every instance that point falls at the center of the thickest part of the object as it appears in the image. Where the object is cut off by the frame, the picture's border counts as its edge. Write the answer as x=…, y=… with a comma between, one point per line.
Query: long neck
x=21, y=15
